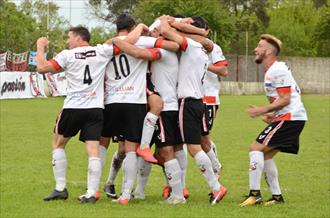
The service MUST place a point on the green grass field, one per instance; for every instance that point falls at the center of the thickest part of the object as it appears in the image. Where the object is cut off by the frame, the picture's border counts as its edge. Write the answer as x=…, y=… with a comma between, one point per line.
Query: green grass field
x=26, y=173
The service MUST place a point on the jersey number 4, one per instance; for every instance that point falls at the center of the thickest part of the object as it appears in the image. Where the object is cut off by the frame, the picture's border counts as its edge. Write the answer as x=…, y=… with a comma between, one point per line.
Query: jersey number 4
x=87, y=76
x=125, y=73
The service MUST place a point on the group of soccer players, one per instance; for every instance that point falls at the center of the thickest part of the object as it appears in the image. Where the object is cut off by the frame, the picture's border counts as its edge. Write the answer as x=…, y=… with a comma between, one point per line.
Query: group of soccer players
x=150, y=85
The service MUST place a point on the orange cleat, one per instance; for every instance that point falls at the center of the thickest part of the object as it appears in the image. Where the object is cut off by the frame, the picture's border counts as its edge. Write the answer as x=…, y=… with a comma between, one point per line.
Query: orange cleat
x=147, y=155
x=166, y=192
x=185, y=193
x=121, y=201
x=215, y=197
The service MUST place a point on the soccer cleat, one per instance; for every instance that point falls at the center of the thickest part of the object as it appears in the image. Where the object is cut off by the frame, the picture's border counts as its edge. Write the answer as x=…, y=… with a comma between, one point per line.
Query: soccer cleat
x=172, y=200
x=110, y=191
x=121, y=200
x=215, y=197
x=275, y=199
x=57, y=195
x=251, y=200
x=185, y=193
x=166, y=192
x=146, y=154
x=87, y=199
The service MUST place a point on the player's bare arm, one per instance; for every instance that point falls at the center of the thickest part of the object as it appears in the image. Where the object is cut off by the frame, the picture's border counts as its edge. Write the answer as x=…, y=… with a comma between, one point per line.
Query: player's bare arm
x=188, y=28
x=206, y=43
x=219, y=70
x=134, y=51
x=43, y=66
x=168, y=32
x=284, y=100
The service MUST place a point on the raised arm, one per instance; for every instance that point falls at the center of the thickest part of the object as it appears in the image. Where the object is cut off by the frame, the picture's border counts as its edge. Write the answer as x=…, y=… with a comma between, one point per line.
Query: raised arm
x=168, y=32
x=206, y=43
x=141, y=53
x=188, y=28
x=43, y=66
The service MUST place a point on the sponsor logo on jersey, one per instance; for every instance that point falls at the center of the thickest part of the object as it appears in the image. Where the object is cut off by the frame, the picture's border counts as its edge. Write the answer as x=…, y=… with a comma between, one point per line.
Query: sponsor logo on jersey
x=84, y=55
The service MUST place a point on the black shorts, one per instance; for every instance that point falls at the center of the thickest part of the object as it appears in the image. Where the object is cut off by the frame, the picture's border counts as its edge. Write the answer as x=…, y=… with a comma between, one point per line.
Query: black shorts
x=167, y=132
x=151, y=90
x=191, y=120
x=88, y=121
x=208, y=118
x=124, y=120
x=282, y=135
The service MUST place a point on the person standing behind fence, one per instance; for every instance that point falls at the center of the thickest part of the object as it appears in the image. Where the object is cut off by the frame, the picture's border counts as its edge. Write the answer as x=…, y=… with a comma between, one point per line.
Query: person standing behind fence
x=285, y=116
x=84, y=67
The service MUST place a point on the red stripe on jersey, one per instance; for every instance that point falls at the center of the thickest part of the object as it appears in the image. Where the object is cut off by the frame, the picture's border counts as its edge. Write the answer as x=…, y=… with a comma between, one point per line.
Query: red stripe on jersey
x=284, y=89
x=156, y=55
x=159, y=42
x=184, y=44
x=55, y=64
x=286, y=116
x=209, y=99
x=221, y=63
x=116, y=50
x=270, y=135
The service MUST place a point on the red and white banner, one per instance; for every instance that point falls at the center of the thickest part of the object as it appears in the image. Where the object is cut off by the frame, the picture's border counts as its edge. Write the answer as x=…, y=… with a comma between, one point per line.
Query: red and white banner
x=57, y=84
x=21, y=85
x=3, y=57
x=16, y=62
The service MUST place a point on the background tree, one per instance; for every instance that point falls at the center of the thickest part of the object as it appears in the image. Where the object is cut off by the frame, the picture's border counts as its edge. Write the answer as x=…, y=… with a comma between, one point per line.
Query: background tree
x=322, y=33
x=108, y=10
x=18, y=30
x=219, y=21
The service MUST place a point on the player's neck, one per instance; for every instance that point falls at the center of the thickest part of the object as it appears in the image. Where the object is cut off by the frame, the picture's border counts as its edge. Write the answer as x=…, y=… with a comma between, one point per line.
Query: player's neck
x=123, y=33
x=268, y=62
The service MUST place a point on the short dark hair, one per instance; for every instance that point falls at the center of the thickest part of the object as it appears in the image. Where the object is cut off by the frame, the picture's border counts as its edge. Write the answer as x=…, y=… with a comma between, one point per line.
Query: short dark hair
x=125, y=22
x=82, y=32
x=200, y=22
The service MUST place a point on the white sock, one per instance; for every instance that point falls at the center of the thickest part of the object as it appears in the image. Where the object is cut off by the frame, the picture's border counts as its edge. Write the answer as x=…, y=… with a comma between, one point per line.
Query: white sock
x=94, y=175
x=214, y=148
x=214, y=160
x=144, y=169
x=59, y=168
x=102, y=152
x=181, y=156
x=114, y=168
x=130, y=171
x=205, y=166
x=256, y=169
x=173, y=173
x=148, y=129
x=271, y=176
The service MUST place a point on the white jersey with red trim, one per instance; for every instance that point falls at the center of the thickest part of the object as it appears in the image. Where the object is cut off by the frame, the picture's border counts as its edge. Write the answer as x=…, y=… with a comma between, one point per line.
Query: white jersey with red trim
x=84, y=69
x=126, y=76
x=278, y=78
x=212, y=83
x=192, y=70
x=164, y=76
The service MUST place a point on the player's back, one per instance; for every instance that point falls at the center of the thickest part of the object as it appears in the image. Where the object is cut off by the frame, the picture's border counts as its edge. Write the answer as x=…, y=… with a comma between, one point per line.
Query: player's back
x=165, y=78
x=192, y=69
x=126, y=76
x=84, y=68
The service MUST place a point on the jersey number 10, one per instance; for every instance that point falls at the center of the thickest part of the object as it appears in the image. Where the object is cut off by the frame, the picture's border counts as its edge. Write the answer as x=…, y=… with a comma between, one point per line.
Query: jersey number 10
x=122, y=58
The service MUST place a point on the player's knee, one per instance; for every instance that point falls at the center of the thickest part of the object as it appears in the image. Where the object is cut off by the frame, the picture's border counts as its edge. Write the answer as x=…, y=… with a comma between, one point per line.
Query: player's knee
x=255, y=146
x=156, y=104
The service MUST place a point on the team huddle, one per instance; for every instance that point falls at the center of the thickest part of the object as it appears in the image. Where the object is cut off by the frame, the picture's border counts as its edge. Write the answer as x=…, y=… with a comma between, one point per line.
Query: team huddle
x=159, y=85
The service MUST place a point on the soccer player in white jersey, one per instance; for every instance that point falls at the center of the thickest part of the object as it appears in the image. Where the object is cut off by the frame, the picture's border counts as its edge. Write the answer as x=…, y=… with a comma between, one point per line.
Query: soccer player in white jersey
x=217, y=67
x=125, y=101
x=192, y=69
x=285, y=116
x=84, y=67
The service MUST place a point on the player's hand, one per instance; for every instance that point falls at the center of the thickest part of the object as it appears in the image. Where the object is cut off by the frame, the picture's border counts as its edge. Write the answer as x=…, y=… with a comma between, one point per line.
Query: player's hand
x=255, y=111
x=268, y=117
x=187, y=20
x=42, y=42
